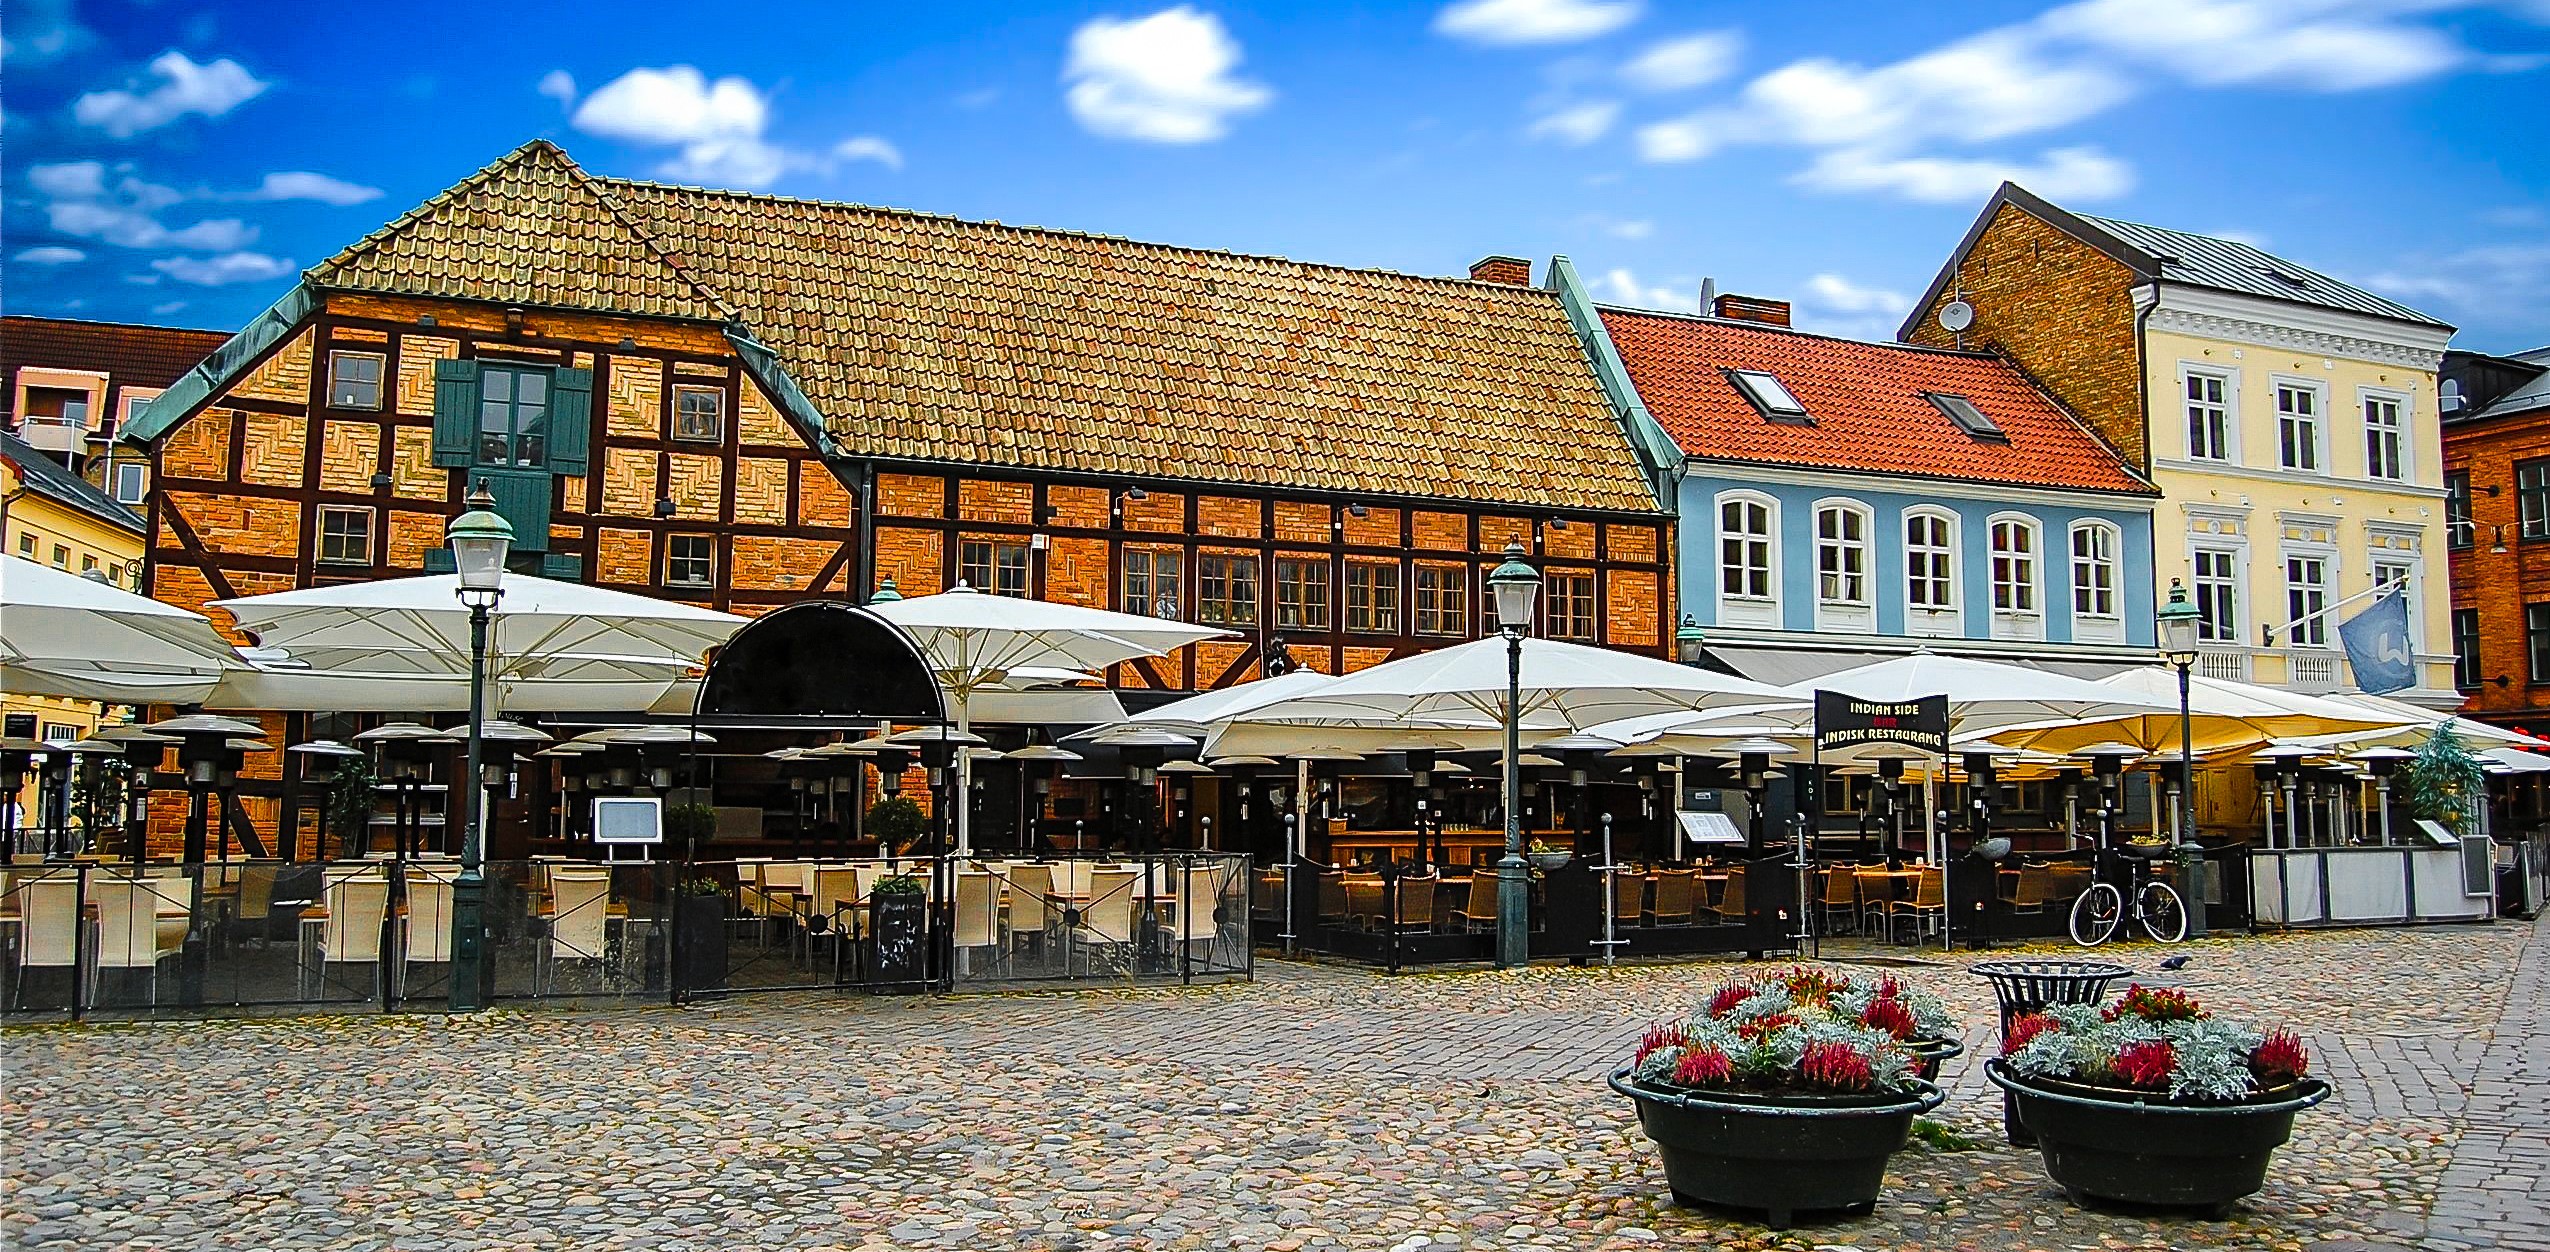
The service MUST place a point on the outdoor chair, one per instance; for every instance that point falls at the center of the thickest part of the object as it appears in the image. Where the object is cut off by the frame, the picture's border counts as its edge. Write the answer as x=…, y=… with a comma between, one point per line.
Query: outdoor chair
x=2035, y=887
x=1479, y=912
x=1416, y=903
x=978, y=911
x=425, y=933
x=356, y=908
x=1366, y=903
x=1033, y=911
x=1729, y=908
x=1333, y=904
x=1071, y=878
x=1677, y=892
x=1107, y=918
x=1628, y=898
x=1929, y=902
x=579, y=923
x=48, y=926
x=1840, y=897
x=134, y=929
x=1196, y=915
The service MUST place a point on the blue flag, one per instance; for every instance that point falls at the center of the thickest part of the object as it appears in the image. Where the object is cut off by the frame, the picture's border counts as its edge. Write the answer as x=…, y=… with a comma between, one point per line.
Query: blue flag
x=2377, y=645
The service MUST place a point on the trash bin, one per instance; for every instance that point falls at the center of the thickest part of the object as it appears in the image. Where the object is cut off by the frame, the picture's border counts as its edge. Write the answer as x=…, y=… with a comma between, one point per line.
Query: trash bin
x=2025, y=987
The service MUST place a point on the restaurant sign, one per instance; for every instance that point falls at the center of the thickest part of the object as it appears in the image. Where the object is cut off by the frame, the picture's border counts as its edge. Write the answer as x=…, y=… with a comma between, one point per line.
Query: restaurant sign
x=1844, y=721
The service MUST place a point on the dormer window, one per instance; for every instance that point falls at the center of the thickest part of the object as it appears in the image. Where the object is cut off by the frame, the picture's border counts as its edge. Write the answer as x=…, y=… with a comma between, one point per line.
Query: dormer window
x=1768, y=396
x=1967, y=417
x=2286, y=276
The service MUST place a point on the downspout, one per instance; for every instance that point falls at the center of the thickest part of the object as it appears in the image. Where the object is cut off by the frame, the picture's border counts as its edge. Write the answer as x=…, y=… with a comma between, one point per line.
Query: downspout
x=865, y=567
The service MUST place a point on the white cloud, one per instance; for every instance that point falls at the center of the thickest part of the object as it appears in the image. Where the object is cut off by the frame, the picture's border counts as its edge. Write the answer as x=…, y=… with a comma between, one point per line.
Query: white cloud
x=185, y=87
x=82, y=202
x=40, y=31
x=166, y=307
x=1841, y=295
x=1991, y=86
x=2081, y=173
x=223, y=270
x=1577, y=124
x=69, y=179
x=1680, y=139
x=1512, y=22
x=1684, y=63
x=869, y=148
x=2313, y=44
x=716, y=128
x=560, y=86
x=304, y=185
x=2492, y=283
x=1166, y=78
x=1618, y=227
x=52, y=254
x=1623, y=287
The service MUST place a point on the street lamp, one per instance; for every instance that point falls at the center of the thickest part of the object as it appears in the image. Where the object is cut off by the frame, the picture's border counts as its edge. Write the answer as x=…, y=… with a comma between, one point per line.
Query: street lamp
x=1518, y=591
x=1690, y=646
x=2178, y=627
x=479, y=540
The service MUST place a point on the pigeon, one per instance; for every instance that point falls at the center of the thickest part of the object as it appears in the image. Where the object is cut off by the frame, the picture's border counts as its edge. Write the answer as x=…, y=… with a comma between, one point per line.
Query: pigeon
x=2174, y=963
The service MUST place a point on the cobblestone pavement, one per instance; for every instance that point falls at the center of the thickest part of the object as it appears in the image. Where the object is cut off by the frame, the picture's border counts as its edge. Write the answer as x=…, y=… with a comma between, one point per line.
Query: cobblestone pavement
x=1316, y=1108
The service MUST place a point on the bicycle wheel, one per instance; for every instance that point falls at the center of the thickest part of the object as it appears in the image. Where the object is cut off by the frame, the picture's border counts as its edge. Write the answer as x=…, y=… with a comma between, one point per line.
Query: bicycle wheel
x=2164, y=914
x=2096, y=913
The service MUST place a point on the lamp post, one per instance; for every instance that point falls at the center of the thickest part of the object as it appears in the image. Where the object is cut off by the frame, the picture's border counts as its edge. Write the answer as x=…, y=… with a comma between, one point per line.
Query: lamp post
x=2178, y=622
x=479, y=539
x=1690, y=646
x=1518, y=591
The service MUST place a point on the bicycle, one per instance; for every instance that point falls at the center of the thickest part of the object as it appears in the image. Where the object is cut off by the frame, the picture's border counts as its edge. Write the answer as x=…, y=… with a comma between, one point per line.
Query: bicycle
x=2154, y=907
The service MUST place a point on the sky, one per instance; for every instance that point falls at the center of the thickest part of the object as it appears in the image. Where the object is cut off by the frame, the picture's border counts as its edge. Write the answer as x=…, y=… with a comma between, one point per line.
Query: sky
x=177, y=163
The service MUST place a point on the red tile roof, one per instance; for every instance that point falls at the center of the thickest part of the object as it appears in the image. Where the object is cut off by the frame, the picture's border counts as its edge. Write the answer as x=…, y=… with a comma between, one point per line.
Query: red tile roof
x=1868, y=401
x=135, y=356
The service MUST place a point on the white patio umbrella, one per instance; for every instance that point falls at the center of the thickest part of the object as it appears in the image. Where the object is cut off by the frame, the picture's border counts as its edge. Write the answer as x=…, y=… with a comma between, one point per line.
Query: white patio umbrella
x=2224, y=716
x=403, y=643
x=79, y=638
x=1202, y=712
x=1565, y=687
x=975, y=642
x=1982, y=695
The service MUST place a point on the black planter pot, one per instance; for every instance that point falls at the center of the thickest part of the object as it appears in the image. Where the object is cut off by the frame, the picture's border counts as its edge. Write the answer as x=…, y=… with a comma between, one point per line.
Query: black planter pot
x=2101, y=1144
x=1779, y=1156
x=699, y=952
x=1929, y=1054
x=899, y=932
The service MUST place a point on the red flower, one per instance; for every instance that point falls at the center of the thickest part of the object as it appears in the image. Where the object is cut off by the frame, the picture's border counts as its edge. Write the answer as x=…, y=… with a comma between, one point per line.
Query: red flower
x=1836, y=1065
x=2148, y=1063
x=1890, y=1015
x=2281, y=1056
x=2155, y=1004
x=2024, y=1028
x=1702, y=1067
x=1724, y=999
x=1760, y=1028
x=1810, y=986
x=1661, y=1035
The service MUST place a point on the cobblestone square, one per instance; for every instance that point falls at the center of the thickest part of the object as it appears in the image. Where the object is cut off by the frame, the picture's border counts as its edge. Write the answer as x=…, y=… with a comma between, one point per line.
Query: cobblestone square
x=1318, y=1107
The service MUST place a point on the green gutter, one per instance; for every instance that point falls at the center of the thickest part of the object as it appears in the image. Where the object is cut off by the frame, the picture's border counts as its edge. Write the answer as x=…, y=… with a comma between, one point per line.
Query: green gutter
x=1656, y=450
x=766, y=371
x=217, y=372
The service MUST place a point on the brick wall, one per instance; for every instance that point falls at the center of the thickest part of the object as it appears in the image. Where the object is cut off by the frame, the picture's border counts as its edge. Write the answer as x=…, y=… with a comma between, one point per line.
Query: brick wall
x=2064, y=312
x=2500, y=584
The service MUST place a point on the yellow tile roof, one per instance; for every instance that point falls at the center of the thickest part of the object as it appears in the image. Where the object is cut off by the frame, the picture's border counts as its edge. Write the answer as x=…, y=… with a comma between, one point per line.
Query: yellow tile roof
x=930, y=338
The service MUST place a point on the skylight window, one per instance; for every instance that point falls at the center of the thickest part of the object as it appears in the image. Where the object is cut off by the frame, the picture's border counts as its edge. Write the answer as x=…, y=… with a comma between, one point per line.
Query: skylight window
x=1769, y=396
x=1967, y=417
x=2286, y=276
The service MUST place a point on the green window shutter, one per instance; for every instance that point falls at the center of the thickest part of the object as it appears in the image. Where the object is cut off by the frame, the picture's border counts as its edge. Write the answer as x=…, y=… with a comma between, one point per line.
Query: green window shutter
x=455, y=413
x=522, y=499
x=570, y=420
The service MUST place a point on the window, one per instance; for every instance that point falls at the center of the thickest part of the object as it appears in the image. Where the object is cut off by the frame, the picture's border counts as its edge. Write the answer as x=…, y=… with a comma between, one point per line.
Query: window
x=2532, y=498
x=2306, y=594
x=1930, y=563
x=690, y=560
x=1301, y=593
x=354, y=379
x=345, y=535
x=1443, y=600
x=2208, y=418
x=1968, y=418
x=1769, y=396
x=1151, y=583
x=1567, y=606
x=2217, y=595
x=513, y=416
x=129, y=404
x=2094, y=571
x=58, y=406
x=2385, y=441
x=1226, y=589
x=699, y=414
x=1372, y=597
x=2013, y=567
x=2536, y=642
x=999, y=568
x=87, y=563
x=1744, y=551
x=131, y=481
x=2457, y=525
x=2466, y=672
x=61, y=558
x=1841, y=556
x=2298, y=427
x=26, y=545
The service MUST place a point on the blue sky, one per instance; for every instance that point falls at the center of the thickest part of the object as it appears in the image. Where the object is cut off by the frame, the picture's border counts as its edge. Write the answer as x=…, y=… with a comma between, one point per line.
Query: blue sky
x=178, y=162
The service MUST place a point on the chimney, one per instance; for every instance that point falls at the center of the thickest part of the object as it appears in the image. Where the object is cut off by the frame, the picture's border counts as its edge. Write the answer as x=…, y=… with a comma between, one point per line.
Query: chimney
x=1511, y=271
x=1735, y=308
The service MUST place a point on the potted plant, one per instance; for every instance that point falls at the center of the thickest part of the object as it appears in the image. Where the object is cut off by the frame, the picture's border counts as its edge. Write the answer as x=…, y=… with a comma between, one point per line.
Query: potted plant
x=699, y=950
x=1546, y=856
x=1777, y=1096
x=896, y=823
x=1919, y=1021
x=691, y=827
x=2152, y=1100
x=899, y=929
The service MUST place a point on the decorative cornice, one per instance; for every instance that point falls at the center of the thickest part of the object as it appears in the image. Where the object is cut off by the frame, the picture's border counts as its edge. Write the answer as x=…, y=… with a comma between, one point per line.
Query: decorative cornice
x=2209, y=325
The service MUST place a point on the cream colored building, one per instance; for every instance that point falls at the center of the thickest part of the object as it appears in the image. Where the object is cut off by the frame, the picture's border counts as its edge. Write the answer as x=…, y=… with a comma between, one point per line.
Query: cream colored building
x=53, y=517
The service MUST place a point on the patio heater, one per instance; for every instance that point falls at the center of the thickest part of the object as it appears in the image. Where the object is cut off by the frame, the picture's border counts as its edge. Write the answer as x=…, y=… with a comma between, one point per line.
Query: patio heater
x=2068, y=780
x=83, y=758
x=202, y=747
x=17, y=759
x=500, y=741
x=2107, y=767
x=312, y=757
x=2381, y=763
x=1753, y=762
x=571, y=780
x=1039, y=765
x=1518, y=592
x=2180, y=623
x=2283, y=770
x=1182, y=791
x=52, y=768
x=143, y=752
x=479, y=540
x=401, y=770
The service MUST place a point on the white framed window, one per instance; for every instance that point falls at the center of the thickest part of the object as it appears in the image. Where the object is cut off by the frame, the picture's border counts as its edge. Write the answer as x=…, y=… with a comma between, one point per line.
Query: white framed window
x=2217, y=589
x=699, y=413
x=1769, y=396
x=1930, y=572
x=690, y=561
x=2211, y=429
x=129, y=403
x=2299, y=430
x=2306, y=596
x=2097, y=616
x=1152, y=578
x=1748, y=554
x=992, y=566
x=1841, y=568
x=2017, y=612
x=130, y=482
x=345, y=535
x=2385, y=435
x=2402, y=572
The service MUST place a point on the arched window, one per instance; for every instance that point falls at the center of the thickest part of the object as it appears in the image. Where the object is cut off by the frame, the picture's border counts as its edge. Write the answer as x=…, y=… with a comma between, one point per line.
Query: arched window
x=1930, y=572
x=1748, y=553
x=2016, y=613
x=1841, y=567
x=2096, y=614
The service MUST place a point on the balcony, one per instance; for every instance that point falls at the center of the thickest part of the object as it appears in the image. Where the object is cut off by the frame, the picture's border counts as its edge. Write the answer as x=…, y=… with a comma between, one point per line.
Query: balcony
x=2223, y=664
x=67, y=435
